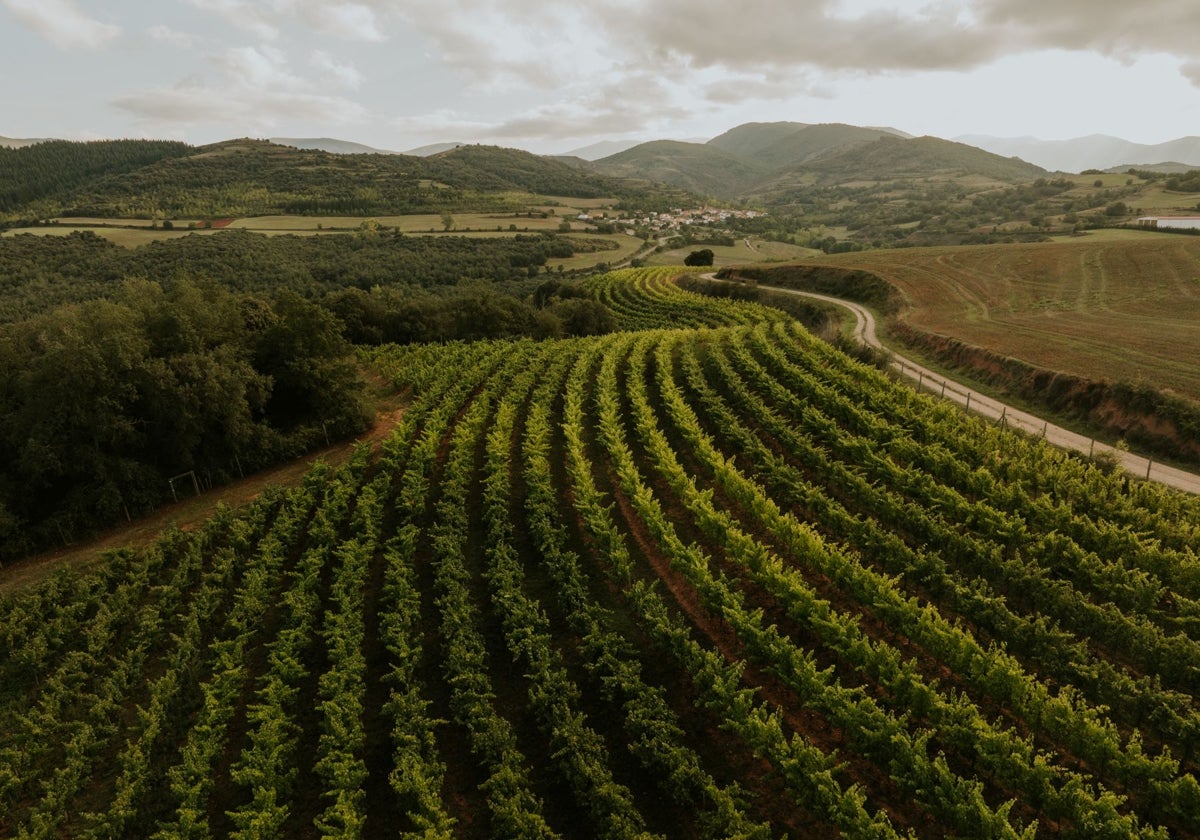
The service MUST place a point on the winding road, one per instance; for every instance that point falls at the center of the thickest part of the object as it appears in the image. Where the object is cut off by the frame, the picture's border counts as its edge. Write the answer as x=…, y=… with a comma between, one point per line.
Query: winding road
x=985, y=406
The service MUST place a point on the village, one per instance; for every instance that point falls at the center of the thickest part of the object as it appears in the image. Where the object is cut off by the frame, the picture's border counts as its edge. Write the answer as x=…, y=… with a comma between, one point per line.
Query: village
x=672, y=220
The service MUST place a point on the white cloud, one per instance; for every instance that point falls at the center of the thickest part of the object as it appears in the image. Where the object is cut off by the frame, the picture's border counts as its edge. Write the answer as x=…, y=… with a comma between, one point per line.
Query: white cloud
x=193, y=104
x=631, y=105
x=263, y=68
x=257, y=90
x=356, y=21
x=346, y=75
x=62, y=23
x=864, y=36
x=171, y=37
x=243, y=14
x=353, y=21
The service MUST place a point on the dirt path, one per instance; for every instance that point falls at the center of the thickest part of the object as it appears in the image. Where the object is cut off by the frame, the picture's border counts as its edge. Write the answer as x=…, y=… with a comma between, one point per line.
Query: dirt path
x=191, y=511
x=985, y=406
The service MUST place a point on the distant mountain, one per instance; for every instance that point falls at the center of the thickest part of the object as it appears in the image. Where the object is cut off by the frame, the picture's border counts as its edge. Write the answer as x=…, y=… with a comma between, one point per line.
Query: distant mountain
x=1170, y=167
x=604, y=148
x=697, y=167
x=1096, y=151
x=750, y=139
x=919, y=157
x=255, y=177
x=432, y=149
x=776, y=148
x=15, y=143
x=763, y=160
x=329, y=144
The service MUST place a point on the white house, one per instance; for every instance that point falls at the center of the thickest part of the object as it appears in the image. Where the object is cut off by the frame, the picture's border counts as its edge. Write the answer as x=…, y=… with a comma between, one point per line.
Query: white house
x=1172, y=222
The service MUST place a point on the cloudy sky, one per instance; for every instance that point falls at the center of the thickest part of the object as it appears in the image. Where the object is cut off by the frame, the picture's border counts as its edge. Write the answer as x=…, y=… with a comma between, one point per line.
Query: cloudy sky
x=551, y=76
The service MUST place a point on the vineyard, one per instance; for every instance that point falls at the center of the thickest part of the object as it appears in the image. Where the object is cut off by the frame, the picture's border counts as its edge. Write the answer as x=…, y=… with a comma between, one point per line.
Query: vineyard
x=702, y=577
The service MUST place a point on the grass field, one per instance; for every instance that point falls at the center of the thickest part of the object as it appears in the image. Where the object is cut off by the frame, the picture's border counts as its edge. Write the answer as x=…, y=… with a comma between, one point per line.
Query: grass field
x=132, y=233
x=1121, y=306
x=127, y=237
x=419, y=223
x=752, y=250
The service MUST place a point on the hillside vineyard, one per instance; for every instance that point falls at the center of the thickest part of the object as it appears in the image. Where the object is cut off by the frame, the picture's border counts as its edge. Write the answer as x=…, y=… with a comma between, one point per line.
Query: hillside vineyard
x=708, y=581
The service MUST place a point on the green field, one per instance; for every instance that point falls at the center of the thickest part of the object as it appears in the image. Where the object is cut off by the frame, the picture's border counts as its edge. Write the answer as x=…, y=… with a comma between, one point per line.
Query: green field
x=716, y=580
x=746, y=250
x=417, y=223
x=1119, y=305
x=131, y=237
x=133, y=233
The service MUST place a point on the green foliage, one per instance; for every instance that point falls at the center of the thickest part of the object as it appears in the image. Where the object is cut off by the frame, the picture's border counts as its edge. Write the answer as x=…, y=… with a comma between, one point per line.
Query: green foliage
x=52, y=170
x=1188, y=182
x=106, y=399
x=702, y=257
x=249, y=177
x=40, y=272
x=718, y=582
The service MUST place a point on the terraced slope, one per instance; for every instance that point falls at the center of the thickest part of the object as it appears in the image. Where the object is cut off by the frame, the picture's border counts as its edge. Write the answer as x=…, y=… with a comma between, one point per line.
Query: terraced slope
x=713, y=580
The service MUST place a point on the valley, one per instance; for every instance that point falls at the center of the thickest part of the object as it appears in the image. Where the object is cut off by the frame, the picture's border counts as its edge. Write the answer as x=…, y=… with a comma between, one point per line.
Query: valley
x=487, y=535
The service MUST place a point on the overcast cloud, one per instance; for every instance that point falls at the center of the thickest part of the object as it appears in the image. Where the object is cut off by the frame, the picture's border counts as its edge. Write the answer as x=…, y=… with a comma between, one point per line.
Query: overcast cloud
x=549, y=74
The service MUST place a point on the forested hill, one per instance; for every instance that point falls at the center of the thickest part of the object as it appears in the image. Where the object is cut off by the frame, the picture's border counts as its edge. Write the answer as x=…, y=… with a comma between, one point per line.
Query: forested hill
x=252, y=177
x=51, y=171
x=763, y=163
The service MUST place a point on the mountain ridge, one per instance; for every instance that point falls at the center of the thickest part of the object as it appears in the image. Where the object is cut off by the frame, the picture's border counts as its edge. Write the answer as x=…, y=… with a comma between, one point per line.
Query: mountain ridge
x=760, y=160
x=1093, y=151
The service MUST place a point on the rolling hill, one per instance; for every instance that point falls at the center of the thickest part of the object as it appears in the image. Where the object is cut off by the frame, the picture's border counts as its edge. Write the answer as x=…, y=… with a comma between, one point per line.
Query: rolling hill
x=256, y=177
x=331, y=145
x=919, y=157
x=786, y=144
x=604, y=148
x=697, y=167
x=764, y=161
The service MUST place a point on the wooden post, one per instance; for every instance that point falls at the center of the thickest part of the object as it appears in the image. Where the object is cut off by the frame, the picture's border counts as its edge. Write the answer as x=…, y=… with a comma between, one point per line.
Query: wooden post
x=1149, y=464
x=968, y=406
x=943, y=389
x=1092, y=448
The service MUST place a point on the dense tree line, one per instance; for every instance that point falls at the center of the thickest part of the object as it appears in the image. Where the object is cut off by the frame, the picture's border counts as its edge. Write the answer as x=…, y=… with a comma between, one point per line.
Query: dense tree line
x=1187, y=182
x=53, y=169
x=383, y=316
x=39, y=272
x=225, y=352
x=104, y=401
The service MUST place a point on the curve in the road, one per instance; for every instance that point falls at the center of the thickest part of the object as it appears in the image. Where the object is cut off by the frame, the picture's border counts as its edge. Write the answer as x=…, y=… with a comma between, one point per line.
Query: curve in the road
x=971, y=400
